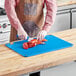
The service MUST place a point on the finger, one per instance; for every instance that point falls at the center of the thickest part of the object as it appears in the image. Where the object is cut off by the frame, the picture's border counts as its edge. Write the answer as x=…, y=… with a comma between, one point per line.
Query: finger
x=25, y=37
x=21, y=37
x=42, y=37
x=38, y=36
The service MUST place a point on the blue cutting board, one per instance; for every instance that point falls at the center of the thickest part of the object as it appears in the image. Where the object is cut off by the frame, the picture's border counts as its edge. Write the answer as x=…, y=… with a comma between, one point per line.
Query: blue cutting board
x=53, y=44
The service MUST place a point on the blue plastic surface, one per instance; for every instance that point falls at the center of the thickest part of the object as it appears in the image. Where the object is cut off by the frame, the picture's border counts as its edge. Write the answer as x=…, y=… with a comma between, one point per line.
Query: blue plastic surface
x=53, y=44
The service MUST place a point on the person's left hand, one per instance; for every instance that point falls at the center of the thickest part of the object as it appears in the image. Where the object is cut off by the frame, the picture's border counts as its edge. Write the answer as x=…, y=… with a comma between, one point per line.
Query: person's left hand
x=41, y=35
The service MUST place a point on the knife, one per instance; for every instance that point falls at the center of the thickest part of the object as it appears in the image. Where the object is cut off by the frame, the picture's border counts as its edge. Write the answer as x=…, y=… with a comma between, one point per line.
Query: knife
x=18, y=39
x=28, y=38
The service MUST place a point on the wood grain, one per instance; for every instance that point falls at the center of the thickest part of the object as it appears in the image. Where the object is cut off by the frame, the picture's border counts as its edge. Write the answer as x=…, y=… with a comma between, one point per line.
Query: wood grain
x=65, y=2
x=12, y=64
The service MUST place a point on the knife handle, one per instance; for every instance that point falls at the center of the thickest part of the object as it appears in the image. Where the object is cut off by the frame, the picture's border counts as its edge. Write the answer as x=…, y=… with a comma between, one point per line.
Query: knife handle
x=17, y=37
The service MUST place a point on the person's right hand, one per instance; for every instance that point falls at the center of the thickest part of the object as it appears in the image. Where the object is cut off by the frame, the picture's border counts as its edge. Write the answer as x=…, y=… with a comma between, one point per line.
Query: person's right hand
x=22, y=33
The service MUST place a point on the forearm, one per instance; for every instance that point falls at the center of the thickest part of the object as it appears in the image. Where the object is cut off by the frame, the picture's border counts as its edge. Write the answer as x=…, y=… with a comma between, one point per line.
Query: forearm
x=50, y=15
x=11, y=13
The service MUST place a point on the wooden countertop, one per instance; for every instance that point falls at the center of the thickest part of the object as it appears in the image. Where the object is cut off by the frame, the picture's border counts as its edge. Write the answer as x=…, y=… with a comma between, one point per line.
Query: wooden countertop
x=65, y=2
x=12, y=64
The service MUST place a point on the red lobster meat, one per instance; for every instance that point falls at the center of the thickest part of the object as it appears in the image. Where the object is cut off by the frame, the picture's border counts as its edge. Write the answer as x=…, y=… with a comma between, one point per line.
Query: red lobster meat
x=33, y=43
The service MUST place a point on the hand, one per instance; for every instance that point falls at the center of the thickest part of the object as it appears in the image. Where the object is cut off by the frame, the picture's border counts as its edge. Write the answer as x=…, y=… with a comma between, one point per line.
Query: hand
x=41, y=35
x=30, y=39
x=21, y=33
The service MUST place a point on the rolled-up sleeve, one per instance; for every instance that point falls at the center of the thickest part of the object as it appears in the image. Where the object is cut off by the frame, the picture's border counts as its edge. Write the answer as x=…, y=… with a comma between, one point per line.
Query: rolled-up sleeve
x=11, y=13
x=50, y=14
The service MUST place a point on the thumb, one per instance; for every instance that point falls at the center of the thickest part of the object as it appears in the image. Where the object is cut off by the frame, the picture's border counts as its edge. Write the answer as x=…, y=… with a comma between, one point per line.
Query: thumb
x=25, y=35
